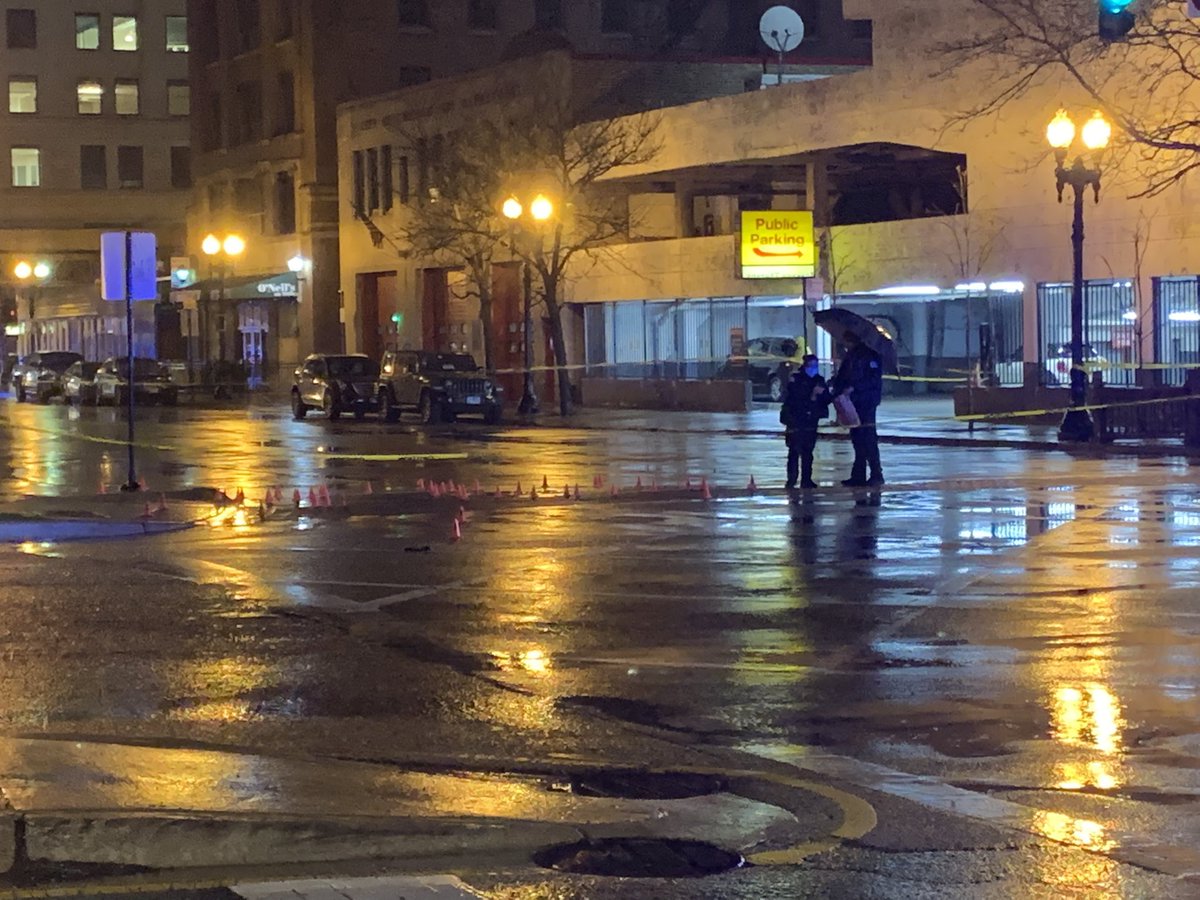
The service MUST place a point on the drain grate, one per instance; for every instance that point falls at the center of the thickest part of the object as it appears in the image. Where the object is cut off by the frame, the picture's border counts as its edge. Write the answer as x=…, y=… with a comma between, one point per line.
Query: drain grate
x=646, y=785
x=639, y=858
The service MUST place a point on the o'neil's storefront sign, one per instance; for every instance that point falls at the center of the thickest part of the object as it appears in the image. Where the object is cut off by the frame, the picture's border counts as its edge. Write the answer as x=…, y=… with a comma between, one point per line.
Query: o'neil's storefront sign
x=778, y=244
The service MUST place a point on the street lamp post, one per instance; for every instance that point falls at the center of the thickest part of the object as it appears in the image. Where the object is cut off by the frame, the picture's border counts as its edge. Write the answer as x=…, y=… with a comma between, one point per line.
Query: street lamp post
x=30, y=275
x=540, y=211
x=228, y=248
x=1079, y=176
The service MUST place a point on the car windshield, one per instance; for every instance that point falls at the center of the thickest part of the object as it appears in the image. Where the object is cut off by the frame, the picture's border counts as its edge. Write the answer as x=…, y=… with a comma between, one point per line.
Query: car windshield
x=451, y=362
x=59, y=361
x=142, y=368
x=352, y=367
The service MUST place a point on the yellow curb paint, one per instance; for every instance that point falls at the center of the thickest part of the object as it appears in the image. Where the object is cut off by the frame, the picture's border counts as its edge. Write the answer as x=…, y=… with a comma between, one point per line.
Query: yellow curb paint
x=395, y=457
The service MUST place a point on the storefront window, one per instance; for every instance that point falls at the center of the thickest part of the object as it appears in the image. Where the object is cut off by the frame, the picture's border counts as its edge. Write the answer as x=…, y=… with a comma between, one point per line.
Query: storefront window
x=1177, y=332
x=1110, y=332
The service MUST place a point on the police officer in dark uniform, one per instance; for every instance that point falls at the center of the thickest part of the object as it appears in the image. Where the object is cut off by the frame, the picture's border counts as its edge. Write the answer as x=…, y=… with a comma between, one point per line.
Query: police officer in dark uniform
x=805, y=404
x=860, y=377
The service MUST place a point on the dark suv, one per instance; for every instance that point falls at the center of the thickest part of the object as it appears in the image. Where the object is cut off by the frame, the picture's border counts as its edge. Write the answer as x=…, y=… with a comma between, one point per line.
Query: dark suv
x=335, y=384
x=440, y=386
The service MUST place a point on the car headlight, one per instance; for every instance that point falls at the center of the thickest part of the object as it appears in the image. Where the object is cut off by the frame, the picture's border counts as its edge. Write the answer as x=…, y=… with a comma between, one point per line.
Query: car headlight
x=488, y=390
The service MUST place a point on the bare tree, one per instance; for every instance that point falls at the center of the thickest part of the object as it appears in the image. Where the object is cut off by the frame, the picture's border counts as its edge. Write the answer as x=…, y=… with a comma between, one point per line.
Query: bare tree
x=1147, y=84
x=572, y=161
x=455, y=223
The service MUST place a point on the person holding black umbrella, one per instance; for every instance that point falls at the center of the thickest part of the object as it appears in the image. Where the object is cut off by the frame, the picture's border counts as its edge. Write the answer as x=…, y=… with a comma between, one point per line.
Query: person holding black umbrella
x=860, y=380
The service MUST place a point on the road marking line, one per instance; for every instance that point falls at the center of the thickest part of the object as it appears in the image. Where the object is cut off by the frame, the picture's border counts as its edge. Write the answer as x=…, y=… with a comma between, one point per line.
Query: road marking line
x=396, y=457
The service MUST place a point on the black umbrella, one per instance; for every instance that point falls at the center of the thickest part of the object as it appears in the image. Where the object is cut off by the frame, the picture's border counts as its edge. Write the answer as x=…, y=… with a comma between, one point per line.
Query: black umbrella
x=839, y=322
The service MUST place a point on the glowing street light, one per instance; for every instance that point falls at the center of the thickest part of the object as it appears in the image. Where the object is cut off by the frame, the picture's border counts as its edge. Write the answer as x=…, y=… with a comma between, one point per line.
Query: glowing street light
x=542, y=208
x=211, y=245
x=41, y=270
x=512, y=209
x=1079, y=176
x=23, y=270
x=234, y=245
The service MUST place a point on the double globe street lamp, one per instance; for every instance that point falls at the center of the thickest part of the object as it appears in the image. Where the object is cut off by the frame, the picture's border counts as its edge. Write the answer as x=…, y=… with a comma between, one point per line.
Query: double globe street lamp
x=30, y=275
x=228, y=248
x=1082, y=174
x=539, y=212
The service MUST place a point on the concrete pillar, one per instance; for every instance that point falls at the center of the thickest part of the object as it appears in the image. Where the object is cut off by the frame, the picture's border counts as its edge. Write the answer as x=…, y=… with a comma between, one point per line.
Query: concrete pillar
x=1029, y=323
x=1147, y=323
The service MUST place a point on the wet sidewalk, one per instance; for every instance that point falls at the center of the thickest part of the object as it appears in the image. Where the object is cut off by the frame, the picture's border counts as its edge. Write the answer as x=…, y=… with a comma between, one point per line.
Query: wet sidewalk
x=110, y=516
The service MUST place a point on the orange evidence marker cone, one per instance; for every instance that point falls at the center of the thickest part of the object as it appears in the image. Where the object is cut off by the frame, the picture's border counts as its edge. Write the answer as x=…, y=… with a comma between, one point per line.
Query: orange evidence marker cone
x=533, y=494
x=518, y=492
x=457, y=530
x=162, y=502
x=704, y=489
x=368, y=489
x=545, y=483
x=567, y=491
x=478, y=488
x=296, y=498
x=147, y=513
x=638, y=486
x=613, y=490
x=420, y=484
x=312, y=496
x=576, y=492
x=751, y=486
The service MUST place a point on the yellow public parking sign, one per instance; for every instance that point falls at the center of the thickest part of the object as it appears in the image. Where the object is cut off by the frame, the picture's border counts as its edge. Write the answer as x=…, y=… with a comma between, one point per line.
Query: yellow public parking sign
x=778, y=243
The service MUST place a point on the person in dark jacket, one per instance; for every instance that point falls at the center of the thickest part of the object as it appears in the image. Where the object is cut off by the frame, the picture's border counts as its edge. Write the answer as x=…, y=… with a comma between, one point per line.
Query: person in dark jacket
x=805, y=404
x=860, y=377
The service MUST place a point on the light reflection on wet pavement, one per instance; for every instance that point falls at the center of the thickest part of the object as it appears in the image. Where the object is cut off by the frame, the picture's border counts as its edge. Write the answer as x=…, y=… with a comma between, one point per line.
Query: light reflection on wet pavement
x=1021, y=626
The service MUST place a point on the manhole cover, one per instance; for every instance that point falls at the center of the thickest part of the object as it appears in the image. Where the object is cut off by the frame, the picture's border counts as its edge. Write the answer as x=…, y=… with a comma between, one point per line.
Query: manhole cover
x=639, y=858
x=646, y=785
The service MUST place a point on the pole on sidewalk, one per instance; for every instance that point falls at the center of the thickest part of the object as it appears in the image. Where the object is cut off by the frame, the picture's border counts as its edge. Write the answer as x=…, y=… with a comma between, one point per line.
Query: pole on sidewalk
x=132, y=484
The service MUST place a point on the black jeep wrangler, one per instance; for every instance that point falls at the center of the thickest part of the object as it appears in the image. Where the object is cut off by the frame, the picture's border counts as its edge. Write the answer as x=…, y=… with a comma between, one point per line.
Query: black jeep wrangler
x=440, y=386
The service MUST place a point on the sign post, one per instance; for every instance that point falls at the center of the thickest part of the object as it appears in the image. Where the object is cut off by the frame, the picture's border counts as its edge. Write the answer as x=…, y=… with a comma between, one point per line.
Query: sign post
x=129, y=272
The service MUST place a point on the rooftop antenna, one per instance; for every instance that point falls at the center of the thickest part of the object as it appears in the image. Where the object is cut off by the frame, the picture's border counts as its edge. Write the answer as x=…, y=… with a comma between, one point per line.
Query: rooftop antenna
x=782, y=30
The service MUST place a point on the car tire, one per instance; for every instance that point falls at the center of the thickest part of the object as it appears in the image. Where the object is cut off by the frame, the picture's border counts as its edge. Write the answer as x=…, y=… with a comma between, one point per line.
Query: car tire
x=360, y=413
x=170, y=399
x=388, y=411
x=299, y=410
x=494, y=416
x=775, y=389
x=20, y=392
x=430, y=409
x=329, y=406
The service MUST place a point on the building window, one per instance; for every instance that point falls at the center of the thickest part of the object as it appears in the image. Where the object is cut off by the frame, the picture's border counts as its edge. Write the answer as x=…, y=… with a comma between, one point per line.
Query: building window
x=177, y=38
x=93, y=167
x=87, y=31
x=22, y=95
x=179, y=98
x=482, y=15
x=130, y=167
x=386, y=187
x=125, y=97
x=89, y=96
x=372, y=179
x=284, y=22
x=247, y=197
x=413, y=13
x=249, y=25
x=548, y=13
x=214, y=136
x=285, y=203
x=360, y=184
x=216, y=198
x=22, y=29
x=125, y=33
x=402, y=185
x=181, y=167
x=249, y=111
x=285, y=104
x=26, y=167
x=615, y=17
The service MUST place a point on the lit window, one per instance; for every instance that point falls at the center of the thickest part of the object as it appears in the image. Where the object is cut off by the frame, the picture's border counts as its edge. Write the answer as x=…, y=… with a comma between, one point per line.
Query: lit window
x=177, y=39
x=125, y=95
x=179, y=98
x=22, y=95
x=87, y=31
x=26, y=167
x=90, y=98
x=125, y=33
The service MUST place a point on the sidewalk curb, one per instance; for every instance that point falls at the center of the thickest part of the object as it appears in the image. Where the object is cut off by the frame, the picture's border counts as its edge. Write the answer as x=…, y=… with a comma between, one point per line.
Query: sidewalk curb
x=173, y=841
x=59, y=530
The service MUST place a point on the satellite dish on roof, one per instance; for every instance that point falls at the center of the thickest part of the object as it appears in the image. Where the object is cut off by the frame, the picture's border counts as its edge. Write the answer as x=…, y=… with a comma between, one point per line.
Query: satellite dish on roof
x=782, y=29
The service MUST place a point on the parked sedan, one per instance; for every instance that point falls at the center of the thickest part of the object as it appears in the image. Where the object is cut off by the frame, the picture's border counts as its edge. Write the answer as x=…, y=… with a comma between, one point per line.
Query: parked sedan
x=40, y=375
x=79, y=383
x=151, y=382
x=767, y=365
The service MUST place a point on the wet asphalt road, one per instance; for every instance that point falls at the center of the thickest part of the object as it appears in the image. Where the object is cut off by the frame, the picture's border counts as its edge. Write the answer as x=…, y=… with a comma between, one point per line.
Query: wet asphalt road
x=1021, y=626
